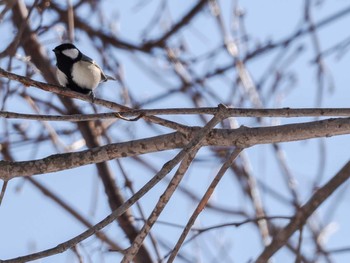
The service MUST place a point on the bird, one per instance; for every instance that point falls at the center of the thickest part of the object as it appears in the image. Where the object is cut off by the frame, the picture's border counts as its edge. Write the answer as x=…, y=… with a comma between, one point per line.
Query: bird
x=77, y=71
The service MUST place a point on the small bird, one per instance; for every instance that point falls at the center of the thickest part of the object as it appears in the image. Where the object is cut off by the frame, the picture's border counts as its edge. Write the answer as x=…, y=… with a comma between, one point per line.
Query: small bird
x=77, y=71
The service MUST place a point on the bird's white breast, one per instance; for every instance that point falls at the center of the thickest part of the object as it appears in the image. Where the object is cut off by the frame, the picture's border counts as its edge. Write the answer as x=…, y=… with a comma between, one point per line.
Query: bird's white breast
x=86, y=74
x=61, y=77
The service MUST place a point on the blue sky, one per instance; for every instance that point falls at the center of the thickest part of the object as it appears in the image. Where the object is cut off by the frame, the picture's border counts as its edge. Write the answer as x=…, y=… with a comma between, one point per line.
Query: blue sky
x=31, y=222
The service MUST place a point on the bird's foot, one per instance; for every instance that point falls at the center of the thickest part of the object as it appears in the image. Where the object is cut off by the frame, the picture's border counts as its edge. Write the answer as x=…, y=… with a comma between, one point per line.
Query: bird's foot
x=92, y=96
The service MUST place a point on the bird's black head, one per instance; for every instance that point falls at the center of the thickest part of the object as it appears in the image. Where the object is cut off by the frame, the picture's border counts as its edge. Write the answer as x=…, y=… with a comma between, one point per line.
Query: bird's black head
x=67, y=52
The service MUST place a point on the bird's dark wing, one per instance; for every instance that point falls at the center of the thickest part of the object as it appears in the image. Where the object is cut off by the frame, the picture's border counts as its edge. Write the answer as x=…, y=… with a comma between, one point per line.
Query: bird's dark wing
x=87, y=59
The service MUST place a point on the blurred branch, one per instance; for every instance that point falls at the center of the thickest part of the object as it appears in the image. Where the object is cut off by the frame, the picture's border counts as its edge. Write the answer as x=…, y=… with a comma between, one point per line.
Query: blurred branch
x=304, y=213
x=184, y=21
x=45, y=191
x=299, y=33
x=106, y=38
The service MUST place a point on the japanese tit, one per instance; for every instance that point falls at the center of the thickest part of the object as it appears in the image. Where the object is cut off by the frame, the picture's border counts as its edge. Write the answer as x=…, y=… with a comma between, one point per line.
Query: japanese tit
x=77, y=71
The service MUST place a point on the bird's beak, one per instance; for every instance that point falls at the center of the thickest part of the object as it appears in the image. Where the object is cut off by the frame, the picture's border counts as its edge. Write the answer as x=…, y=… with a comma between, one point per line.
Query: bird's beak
x=54, y=50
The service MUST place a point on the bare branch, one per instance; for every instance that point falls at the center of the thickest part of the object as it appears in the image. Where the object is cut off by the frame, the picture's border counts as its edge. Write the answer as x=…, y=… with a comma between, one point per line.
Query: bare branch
x=242, y=137
x=231, y=112
x=201, y=205
x=304, y=213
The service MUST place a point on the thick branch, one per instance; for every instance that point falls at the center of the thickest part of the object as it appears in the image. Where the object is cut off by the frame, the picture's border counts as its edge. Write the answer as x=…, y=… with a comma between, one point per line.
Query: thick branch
x=242, y=137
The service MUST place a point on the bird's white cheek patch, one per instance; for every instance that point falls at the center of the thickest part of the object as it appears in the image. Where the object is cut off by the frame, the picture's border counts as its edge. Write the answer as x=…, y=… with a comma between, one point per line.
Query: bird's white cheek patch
x=72, y=53
x=86, y=75
x=61, y=77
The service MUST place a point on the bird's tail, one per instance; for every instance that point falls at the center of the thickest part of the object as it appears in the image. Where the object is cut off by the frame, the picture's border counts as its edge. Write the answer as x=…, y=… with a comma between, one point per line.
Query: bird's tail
x=106, y=77
x=109, y=78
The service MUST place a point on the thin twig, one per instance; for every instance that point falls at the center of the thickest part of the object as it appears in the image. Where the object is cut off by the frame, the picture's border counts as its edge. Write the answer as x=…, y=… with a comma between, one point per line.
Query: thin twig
x=231, y=112
x=3, y=190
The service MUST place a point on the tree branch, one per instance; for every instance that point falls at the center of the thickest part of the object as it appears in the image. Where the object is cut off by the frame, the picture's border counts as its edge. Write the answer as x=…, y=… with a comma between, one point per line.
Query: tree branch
x=304, y=213
x=232, y=112
x=184, y=21
x=242, y=137
x=66, y=92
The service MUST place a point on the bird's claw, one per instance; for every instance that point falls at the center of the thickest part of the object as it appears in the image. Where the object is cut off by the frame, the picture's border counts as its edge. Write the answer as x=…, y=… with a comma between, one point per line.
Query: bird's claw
x=92, y=96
